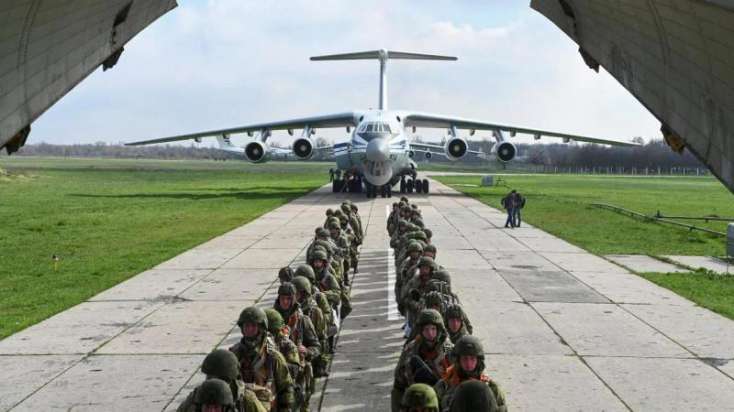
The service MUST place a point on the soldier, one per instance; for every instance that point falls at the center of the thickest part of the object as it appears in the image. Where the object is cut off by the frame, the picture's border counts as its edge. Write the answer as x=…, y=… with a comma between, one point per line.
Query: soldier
x=414, y=289
x=355, y=211
x=473, y=395
x=424, y=359
x=302, y=332
x=353, y=223
x=280, y=333
x=285, y=274
x=419, y=397
x=429, y=234
x=311, y=309
x=214, y=396
x=330, y=317
x=262, y=367
x=468, y=364
x=407, y=267
x=334, y=254
x=392, y=219
x=343, y=243
x=455, y=324
x=222, y=365
x=429, y=250
x=326, y=282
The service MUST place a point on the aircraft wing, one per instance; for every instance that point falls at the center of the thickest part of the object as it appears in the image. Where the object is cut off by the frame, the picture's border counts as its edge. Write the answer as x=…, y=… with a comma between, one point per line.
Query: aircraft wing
x=444, y=122
x=317, y=122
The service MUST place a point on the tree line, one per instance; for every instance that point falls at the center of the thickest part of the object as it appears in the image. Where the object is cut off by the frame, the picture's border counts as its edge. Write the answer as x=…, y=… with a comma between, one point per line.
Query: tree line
x=650, y=158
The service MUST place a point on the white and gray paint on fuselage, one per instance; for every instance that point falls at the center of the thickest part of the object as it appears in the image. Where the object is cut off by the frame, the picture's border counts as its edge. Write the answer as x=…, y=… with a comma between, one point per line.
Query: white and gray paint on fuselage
x=379, y=148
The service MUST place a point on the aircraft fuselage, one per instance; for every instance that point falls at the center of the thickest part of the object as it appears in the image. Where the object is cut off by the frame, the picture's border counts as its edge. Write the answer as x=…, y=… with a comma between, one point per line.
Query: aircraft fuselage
x=378, y=150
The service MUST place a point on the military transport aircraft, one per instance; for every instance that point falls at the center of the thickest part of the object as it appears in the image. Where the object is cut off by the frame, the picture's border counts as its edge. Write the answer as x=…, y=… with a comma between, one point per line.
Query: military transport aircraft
x=381, y=150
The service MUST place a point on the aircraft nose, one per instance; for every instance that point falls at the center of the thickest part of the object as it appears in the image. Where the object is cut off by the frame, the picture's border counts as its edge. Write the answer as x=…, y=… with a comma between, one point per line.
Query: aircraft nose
x=378, y=150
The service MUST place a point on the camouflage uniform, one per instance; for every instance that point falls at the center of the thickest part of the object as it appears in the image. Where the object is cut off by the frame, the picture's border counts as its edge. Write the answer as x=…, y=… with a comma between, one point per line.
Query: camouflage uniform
x=422, y=361
x=302, y=331
x=330, y=321
x=262, y=367
x=446, y=387
x=419, y=397
x=222, y=365
x=311, y=309
x=413, y=291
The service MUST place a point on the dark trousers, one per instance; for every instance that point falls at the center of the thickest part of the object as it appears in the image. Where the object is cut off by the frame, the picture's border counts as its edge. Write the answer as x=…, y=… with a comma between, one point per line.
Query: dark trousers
x=510, y=217
x=517, y=218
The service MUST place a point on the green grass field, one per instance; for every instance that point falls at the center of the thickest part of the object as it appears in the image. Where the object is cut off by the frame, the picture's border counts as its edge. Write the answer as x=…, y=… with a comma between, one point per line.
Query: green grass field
x=111, y=219
x=559, y=204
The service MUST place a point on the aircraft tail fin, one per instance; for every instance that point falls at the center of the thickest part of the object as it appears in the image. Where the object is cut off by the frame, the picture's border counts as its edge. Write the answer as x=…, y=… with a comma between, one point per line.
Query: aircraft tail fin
x=383, y=56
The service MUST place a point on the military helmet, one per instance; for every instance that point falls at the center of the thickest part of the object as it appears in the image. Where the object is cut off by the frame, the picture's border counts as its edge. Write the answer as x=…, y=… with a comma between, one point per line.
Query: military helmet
x=454, y=311
x=420, y=395
x=419, y=223
x=214, y=392
x=345, y=208
x=322, y=232
x=432, y=299
x=354, y=207
x=473, y=395
x=285, y=274
x=469, y=346
x=302, y=284
x=414, y=246
x=305, y=271
x=253, y=314
x=222, y=364
x=402, y=222
x=414, y=206
x=429, y=248
x=404, y=199
x=334, y=225
x=442, y=275
x=418, y=235
x=427, y=261
x=329, y=212
x=275, y=320
x=330, y=220
x=287, y=289
x=338, y=213
x=429, y=317
x=319, y=254
x=428, y=232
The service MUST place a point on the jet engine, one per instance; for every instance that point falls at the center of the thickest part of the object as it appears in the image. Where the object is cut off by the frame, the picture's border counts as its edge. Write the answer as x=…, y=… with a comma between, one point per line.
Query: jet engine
x=257, y=152
x=505, y=151
x=303, y=148
x=456, y=148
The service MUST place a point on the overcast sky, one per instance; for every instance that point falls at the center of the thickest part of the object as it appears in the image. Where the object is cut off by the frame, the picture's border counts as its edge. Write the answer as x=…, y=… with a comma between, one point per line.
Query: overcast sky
x=213, y=64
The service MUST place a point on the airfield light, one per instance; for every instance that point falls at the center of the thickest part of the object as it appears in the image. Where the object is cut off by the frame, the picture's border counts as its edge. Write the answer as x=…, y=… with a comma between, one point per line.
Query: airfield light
x=55, y=259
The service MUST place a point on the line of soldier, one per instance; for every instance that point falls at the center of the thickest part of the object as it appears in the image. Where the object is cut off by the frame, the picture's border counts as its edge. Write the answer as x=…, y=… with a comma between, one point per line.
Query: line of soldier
x=441, y=367
x=284, y=348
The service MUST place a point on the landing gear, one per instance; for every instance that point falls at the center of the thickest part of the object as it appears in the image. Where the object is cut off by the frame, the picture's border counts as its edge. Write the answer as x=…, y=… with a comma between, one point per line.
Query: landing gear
x=414, y=185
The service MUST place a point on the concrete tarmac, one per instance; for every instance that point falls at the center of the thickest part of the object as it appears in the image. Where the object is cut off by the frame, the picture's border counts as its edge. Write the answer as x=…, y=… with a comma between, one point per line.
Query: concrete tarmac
x=563, y=329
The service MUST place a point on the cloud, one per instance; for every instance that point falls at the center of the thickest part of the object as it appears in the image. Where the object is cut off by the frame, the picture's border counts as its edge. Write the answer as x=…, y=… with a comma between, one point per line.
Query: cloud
x=213, y=64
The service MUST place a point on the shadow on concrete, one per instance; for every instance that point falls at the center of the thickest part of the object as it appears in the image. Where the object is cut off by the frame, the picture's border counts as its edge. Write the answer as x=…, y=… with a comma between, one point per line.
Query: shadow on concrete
x=369, y=345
